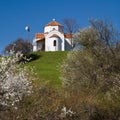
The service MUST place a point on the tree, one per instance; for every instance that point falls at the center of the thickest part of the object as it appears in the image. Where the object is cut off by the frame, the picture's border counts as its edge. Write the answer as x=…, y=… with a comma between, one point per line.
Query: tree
x=93, y=71
x=19, y=45
x=14, y=83
x=71, y=26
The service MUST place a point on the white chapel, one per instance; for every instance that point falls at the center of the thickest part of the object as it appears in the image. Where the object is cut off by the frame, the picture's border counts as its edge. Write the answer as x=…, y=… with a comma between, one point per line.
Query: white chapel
x=53, y=38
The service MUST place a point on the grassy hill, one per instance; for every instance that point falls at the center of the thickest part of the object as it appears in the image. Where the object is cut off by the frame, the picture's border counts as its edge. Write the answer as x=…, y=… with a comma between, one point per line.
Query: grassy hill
x=47, y=93
x=46, y=66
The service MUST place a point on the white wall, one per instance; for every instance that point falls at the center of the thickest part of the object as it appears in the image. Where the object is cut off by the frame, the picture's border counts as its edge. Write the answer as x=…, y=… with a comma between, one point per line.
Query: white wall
x=50, y=44
x=34, y=45
x=50, y=28
x=49, y=40
x=67, y=44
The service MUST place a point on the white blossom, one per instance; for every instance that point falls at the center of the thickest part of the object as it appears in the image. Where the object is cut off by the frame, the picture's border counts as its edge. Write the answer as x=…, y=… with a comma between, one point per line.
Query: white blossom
x=14, y=83
x=66, y=112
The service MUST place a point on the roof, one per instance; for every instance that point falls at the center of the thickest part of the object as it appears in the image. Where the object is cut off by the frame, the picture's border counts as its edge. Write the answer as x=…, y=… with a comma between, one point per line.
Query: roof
x=42, y=36
x=39, y=36
x=54, y=23
x=68, y=35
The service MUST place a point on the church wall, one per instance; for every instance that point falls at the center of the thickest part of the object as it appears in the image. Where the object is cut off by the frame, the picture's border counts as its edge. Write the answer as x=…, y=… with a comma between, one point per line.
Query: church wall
x=49, y=41
x=67, y=44
x=50, y=28
x=35, y=48
x=34, y=45
x=50, y=44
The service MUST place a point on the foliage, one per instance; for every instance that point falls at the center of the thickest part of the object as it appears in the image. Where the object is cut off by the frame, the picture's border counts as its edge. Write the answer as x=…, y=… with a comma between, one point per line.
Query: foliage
x=14, y=83
x=47, y=99
x=46, y=104
x=92, y=73
x=39, y=105
x=19, y=45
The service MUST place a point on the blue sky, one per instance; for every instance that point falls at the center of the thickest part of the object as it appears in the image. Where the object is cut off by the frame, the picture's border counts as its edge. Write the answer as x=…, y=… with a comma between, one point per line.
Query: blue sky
x=16, y=14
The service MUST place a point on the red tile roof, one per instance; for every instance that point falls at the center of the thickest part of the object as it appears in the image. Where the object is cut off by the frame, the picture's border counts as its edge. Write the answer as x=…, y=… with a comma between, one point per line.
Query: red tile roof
x=39, y=36
x=68, y=35
x=42, y=36
x=54, y=23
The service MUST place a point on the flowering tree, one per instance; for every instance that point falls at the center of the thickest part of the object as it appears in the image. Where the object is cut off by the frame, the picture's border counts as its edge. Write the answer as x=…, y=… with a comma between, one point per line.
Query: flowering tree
x=14, y=83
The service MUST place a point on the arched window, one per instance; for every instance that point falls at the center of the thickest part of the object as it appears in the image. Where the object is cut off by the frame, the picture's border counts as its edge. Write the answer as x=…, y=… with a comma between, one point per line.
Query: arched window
x=54, y=43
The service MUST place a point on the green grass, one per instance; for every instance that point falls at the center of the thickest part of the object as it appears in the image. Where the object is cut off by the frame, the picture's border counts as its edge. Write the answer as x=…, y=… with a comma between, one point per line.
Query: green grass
x=46, y=66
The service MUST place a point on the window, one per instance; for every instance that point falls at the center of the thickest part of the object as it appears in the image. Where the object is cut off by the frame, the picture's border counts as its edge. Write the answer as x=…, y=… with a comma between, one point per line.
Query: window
x=54, y=43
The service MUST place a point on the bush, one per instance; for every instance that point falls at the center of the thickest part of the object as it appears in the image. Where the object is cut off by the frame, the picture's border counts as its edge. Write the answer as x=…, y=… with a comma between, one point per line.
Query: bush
x=92, y=73
x=14, y=83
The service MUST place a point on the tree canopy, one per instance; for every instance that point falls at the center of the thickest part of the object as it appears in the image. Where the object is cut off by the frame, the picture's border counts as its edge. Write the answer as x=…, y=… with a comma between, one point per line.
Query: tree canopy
x=19, y=45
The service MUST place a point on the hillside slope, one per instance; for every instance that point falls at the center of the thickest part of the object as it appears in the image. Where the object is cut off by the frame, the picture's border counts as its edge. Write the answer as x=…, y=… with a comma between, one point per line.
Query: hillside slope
x=46, y=66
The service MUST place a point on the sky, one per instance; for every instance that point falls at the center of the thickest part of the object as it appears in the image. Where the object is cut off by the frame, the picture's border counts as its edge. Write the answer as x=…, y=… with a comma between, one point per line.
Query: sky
x=16, y=14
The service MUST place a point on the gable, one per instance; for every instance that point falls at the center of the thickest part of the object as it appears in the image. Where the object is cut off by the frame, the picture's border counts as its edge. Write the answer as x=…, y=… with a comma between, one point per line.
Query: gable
x=56, y=34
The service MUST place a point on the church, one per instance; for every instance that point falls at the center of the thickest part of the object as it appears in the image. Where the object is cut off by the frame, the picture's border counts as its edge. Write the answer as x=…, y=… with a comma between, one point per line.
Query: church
x=53, y=38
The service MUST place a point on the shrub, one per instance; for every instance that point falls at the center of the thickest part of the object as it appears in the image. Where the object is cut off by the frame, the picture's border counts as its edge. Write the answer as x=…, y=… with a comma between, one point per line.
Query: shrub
x=14, y=83
x=92, y=73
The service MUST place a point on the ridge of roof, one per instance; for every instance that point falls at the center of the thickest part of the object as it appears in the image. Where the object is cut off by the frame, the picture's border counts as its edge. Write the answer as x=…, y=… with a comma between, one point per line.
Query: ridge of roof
x=54, y=23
